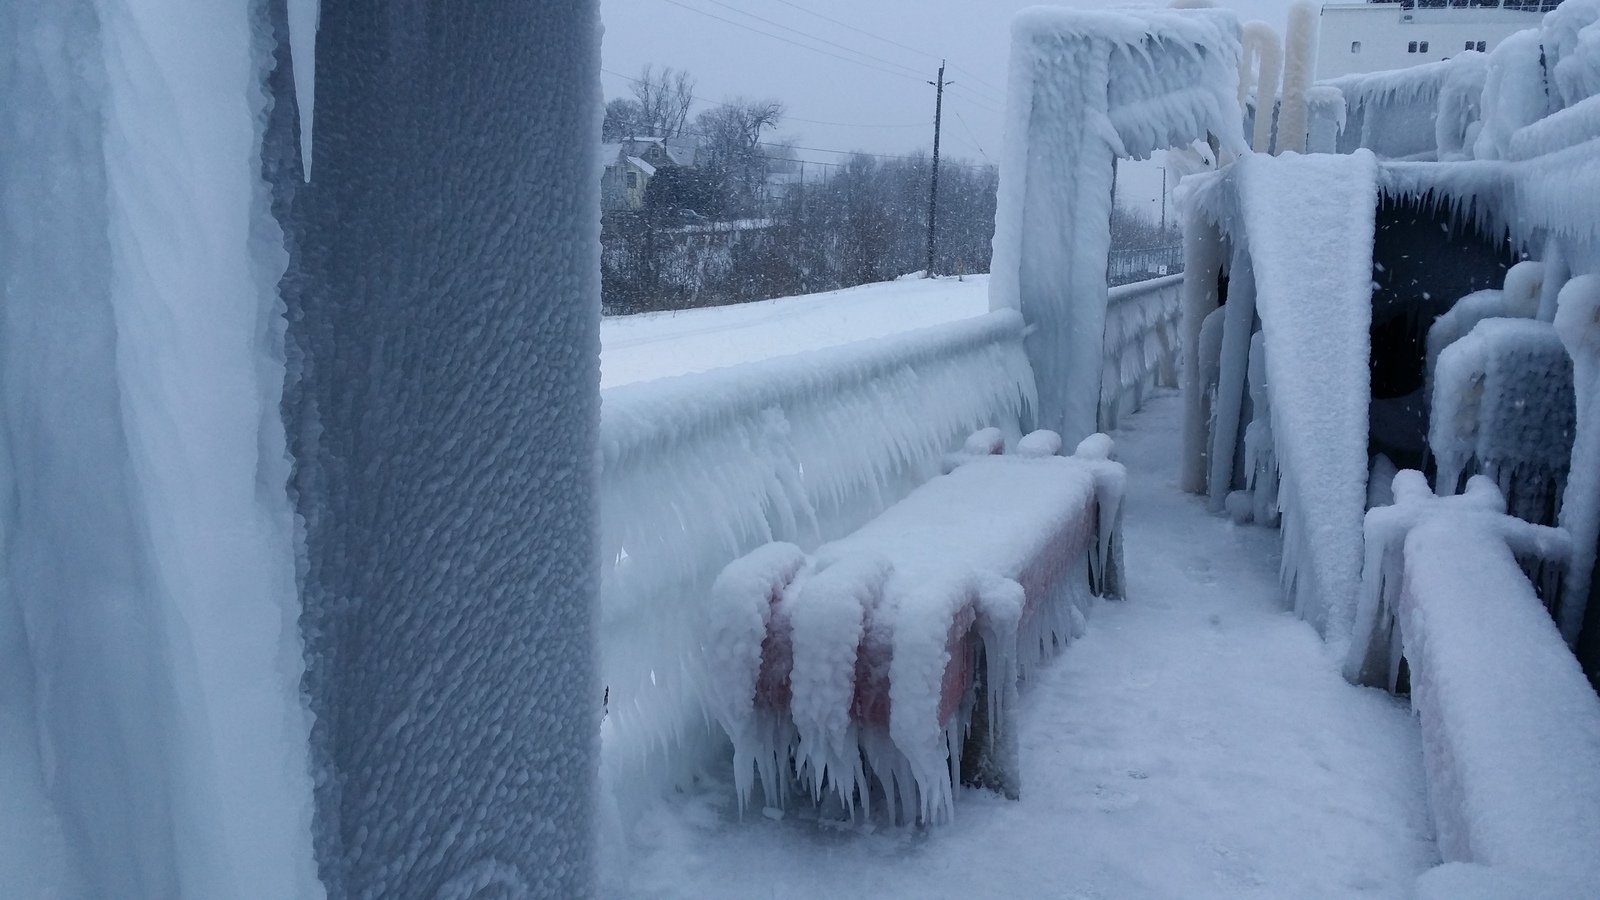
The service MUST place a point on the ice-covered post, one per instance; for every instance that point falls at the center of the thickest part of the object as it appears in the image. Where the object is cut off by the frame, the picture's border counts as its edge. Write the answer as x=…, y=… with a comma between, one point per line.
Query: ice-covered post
x=444, y=300
x=1086, y=88
x=1300, y=60
x=1577, y=322
x=1262, y=43
x=1203, y=249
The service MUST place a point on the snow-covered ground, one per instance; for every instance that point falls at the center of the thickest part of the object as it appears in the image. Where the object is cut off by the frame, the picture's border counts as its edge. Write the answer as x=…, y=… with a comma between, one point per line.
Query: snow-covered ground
x=1197, y=742
x=656, y=345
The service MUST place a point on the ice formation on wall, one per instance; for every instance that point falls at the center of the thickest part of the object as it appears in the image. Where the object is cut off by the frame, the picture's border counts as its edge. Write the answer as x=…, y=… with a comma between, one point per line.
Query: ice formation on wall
x=700, y=469
x=443, y=295
x=1086, y=88
x=1325, y=113
x=154, y=738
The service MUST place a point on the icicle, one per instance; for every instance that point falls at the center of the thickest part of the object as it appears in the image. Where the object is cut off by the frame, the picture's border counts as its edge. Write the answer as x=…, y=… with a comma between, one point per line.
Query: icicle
x=304, y=18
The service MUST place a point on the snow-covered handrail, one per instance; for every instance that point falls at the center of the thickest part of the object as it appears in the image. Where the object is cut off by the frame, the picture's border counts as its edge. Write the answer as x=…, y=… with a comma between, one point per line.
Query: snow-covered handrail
x=1141, y=344
x=700, y=469
x=1511, y=729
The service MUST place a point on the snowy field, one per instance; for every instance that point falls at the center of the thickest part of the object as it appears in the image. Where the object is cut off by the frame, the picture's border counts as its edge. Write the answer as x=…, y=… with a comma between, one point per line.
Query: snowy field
x=656, y=345
x=1197, y=742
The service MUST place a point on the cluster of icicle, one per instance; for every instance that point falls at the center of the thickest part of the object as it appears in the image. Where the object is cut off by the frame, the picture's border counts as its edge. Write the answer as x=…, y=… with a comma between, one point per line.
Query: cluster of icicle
x=805, y=630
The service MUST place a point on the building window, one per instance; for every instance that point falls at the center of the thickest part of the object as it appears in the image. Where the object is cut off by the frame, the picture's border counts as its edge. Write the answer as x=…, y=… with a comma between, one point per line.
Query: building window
x=1470, y=45
x=633, y=179
x=1481, y=45
x=1355, y=46
x=1422, y=47
x=1411, y=47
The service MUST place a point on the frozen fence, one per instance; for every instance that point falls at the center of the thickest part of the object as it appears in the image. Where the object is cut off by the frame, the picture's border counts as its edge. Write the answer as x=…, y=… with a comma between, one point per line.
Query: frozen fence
x=1511, y=729
x=1141, y=344
x=1124, y=266
x=700, y=469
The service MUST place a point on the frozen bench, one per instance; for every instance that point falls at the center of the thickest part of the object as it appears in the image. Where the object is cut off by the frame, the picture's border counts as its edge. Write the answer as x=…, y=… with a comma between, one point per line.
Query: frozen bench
x=889, y=653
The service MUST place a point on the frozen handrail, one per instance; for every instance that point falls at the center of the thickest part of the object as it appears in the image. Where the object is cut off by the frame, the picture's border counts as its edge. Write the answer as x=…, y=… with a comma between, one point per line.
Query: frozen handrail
x=1141, y=344
x=1511, y=729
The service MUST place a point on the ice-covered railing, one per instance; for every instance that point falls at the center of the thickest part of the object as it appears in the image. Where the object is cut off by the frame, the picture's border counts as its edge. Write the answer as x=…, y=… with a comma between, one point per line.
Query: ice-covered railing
x=1392, y=113
x=700, y=469
x=1511, y=730
x=1141, y=344
x=1502, y=407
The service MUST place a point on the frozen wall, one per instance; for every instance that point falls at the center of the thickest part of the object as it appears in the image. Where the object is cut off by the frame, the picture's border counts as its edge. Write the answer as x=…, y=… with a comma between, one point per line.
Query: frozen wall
x=153, y=743
x=444, y=357
x=700, y=469
x=1086, y=88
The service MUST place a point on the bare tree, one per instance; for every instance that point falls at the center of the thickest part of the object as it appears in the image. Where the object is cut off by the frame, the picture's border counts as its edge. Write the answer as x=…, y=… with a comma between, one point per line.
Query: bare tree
x=662, y=100
x=730, y=147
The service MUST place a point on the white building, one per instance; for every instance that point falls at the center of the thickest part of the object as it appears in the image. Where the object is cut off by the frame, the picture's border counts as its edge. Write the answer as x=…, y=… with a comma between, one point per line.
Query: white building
x=1372, y=37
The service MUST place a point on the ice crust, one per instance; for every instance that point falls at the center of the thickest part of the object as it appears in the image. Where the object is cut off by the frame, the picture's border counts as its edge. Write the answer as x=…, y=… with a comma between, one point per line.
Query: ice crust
x=443, y=411
x=1003, y=550
x=1085, y=88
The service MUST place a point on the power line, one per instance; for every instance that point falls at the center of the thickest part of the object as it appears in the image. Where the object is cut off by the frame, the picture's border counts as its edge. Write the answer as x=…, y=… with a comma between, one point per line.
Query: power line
x=970, y=134
x=857, y=30
x=788, y=41
x=878, y=37
x=813, y=37
x=786, y=116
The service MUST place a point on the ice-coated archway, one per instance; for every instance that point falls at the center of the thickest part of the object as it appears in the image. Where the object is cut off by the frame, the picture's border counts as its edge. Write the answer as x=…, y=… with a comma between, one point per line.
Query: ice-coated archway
x=1086, y=88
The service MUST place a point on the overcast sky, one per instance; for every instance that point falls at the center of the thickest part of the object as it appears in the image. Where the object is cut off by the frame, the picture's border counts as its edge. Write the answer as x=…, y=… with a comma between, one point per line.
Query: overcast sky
x=852, y=74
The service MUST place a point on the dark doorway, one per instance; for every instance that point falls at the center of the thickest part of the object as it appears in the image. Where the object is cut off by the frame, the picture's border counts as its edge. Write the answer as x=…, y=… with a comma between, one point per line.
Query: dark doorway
x=1424, y=258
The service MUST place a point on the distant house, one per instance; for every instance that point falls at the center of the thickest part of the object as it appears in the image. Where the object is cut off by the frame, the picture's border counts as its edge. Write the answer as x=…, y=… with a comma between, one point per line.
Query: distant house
x=632, y=162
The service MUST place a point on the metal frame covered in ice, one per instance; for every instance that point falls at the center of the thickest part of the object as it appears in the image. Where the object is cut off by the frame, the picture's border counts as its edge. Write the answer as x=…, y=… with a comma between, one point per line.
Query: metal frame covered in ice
x=1305, y=268
x=1086, y=88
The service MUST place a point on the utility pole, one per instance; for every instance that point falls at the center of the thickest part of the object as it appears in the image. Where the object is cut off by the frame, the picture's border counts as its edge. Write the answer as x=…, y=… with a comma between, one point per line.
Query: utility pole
x=933, y=190
x=1163, y=201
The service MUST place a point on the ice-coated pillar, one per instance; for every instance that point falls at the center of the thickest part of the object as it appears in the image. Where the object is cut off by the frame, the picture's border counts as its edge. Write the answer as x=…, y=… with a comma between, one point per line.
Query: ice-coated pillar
x=443, y=295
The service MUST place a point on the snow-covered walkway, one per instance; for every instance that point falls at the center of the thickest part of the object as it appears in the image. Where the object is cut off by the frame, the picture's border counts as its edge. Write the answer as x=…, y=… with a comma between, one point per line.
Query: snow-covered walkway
x=1197, y=742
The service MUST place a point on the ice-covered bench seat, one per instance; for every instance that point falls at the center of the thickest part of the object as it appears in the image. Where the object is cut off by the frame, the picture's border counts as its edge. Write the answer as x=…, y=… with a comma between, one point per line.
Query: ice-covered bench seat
x=881, y=655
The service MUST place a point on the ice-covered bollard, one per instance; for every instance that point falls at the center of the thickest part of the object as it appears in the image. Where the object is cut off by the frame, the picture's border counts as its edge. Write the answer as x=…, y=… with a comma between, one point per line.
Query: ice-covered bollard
x=983, y=442
x=1041, y=443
